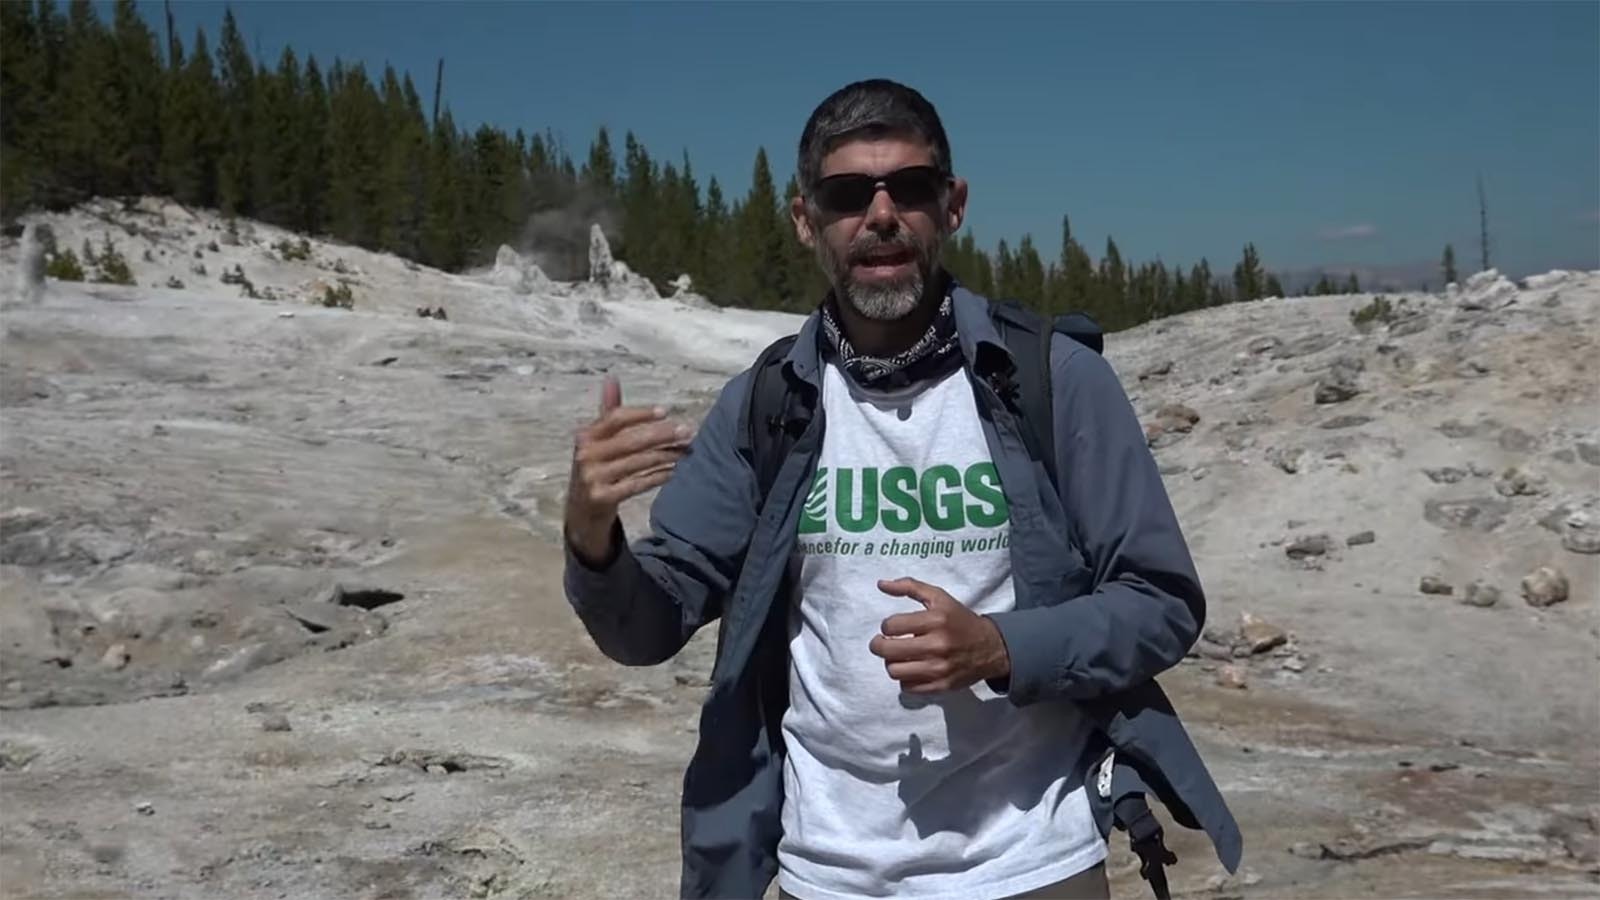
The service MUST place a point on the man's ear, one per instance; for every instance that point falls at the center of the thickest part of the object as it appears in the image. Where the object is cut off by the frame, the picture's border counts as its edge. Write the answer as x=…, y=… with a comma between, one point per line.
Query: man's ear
x=955, y=209
x=802, y=224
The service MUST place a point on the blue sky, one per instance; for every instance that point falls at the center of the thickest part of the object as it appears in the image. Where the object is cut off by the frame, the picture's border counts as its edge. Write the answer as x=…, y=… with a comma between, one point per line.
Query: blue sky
x=1326, y=133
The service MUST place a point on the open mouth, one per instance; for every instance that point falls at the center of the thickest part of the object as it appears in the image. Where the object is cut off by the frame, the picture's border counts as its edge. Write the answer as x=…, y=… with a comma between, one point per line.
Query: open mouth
x=888, y=261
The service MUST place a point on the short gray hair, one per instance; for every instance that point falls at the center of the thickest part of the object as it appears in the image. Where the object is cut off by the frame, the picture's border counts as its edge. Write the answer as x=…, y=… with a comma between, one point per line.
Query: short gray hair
x=869, y=108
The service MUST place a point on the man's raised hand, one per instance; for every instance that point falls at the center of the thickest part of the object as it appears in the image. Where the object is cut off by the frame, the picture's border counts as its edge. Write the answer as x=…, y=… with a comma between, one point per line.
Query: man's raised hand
x=624, y=452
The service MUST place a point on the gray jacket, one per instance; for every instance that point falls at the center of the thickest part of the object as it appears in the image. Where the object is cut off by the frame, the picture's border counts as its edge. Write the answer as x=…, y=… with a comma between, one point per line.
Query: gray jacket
x=1106, y=598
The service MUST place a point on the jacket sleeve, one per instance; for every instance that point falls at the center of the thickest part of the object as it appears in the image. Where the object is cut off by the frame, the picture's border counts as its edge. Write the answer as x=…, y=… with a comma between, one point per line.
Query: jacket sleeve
x=646, y=603
x=1146, y=607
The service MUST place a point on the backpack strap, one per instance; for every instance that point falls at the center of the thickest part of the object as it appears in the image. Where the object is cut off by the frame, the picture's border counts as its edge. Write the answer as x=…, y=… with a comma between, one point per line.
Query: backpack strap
x=774, y=415
x=1027, y=338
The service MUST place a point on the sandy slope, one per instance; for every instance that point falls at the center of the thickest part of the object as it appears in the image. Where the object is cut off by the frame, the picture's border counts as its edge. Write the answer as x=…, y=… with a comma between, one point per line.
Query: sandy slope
x=188, y=473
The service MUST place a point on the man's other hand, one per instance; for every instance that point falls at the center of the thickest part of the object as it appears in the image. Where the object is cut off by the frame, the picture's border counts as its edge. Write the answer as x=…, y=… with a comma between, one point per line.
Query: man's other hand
x=624, y=452
x=943, y=647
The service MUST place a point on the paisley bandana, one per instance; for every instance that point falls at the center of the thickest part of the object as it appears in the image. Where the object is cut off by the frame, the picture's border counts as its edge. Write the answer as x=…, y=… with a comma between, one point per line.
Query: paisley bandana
x=933, y=354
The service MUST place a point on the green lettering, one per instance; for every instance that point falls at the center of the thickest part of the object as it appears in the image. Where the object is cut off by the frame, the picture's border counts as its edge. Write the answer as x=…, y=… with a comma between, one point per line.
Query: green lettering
x=901, y=513
x=983, y=483
x=845, y=502
x=942, y=508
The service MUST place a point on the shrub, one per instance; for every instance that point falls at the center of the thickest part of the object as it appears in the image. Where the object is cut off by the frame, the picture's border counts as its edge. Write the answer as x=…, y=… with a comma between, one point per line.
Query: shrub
x=292, y=251
x=339, y=297
x=113, y=265
x=1379, y=310
x=64, y=266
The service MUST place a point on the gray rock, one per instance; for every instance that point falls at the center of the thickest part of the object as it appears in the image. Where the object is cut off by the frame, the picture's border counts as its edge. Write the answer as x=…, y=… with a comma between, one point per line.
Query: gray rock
x=116, y=657
x=1360, y=538
x=1172, y=468
x=1337, y=386
x=1156, y=370
x=1581, y=538
x=1566, y=455
x=1445, y=474
x=1199, y=473
x=1589, y=452
x=1286, y=458
x=275, y=722
x=21, y=519
x=1305, y=346
x=1544, y=586
x=1479, y=471
x=1518, y=481
x=1409, y=325
x=16, y=756
x=1457, y=429
x=1306, y=850
x=33, y=548
x=1308, y=546
x=1294, y=664
x=1481, y=594
x=1233, y=676
x=1515, y=440
x=1215, y=651
x=1264, y=344
x=145, y=808
x=1346, y=421
x=1259, y=636
x=1434, y=585
x=1468, y=514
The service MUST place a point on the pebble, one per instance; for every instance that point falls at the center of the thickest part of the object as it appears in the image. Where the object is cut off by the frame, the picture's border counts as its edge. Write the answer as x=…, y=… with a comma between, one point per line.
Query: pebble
x=1232, y=676
x=145, y=808
x=1360, y=538
x=1544, y=586
x=116, y=657
x=275, y=722
x=1434, y=585
x=1294, y=664
x=1481, y=594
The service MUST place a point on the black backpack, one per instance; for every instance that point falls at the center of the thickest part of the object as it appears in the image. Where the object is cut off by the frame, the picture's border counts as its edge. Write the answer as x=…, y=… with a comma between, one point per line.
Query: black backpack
x=777, y=411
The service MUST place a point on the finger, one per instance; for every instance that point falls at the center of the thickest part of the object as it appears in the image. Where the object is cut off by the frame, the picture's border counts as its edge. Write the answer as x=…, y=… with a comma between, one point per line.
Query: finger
x=910, y=587
x=891, y=649
x=610, y=394
x=918, y=672
x=635, y=439
x=641, y=463
x=920, y=622
x=621, y=418
x=637, y=485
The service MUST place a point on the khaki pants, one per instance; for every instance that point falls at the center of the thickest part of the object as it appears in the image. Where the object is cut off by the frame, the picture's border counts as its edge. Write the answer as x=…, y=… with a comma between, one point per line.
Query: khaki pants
x=1090, y=884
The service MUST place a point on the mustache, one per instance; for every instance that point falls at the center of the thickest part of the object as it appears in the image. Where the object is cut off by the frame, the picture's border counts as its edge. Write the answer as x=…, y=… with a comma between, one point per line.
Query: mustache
x=866, y=244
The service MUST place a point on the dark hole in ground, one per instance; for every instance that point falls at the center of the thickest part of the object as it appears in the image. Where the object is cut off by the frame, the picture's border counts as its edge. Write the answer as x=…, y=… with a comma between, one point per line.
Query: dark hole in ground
x=369, y=598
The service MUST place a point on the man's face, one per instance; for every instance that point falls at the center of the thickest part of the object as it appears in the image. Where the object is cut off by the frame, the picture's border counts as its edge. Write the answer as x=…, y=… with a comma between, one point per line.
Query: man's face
x=880, y=251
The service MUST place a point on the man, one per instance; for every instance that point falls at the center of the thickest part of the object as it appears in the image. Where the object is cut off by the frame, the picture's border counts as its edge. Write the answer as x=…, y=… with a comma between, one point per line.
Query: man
x=931, y=660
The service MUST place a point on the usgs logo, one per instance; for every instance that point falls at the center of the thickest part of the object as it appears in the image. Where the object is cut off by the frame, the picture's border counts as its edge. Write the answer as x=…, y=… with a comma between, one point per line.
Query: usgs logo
x=902, y=500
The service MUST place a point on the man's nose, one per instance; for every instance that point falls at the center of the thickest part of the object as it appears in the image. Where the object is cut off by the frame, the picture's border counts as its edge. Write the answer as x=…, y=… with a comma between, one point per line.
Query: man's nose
x=881, y=213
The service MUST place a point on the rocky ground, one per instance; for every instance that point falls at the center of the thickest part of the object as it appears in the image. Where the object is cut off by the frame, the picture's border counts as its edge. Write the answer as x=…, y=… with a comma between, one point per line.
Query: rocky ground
x=280, y=610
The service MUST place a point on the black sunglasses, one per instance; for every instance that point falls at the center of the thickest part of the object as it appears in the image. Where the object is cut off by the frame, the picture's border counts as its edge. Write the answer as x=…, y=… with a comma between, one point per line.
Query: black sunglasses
x=852, y=192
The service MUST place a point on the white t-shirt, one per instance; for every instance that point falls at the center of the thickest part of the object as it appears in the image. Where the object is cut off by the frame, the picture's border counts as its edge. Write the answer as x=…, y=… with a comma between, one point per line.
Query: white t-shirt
x=954, y=795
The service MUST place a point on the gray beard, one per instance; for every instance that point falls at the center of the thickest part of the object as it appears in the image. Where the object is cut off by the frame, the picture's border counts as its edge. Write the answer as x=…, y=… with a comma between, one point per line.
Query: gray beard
x=881, y=303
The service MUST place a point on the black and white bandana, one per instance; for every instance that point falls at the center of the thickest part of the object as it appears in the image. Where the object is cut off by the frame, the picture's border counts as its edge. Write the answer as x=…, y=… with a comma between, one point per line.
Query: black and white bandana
x=931, y=355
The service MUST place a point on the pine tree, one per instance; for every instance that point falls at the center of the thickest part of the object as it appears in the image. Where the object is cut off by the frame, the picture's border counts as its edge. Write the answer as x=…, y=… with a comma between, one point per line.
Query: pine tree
x=759, y=270
x=84, y=106
x=443, y=240
x=403, y=170
x=310, y=173
x=600, y=172
x=24, y=148
x=1448, y=264
x=136, y=80
x=190, y=113
x=1030, y=275
x=238, y=106
x=1352, y=285
x=355, y=154
x=276, y=134
x=1249, y=282
x=1274, y=286
x=713, y=272
x=640, y=207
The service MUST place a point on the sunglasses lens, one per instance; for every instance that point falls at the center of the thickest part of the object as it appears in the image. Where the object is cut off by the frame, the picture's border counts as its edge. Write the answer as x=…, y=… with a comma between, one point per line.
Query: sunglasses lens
x=846, y=193
x=914, y=187
x=853, y=193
